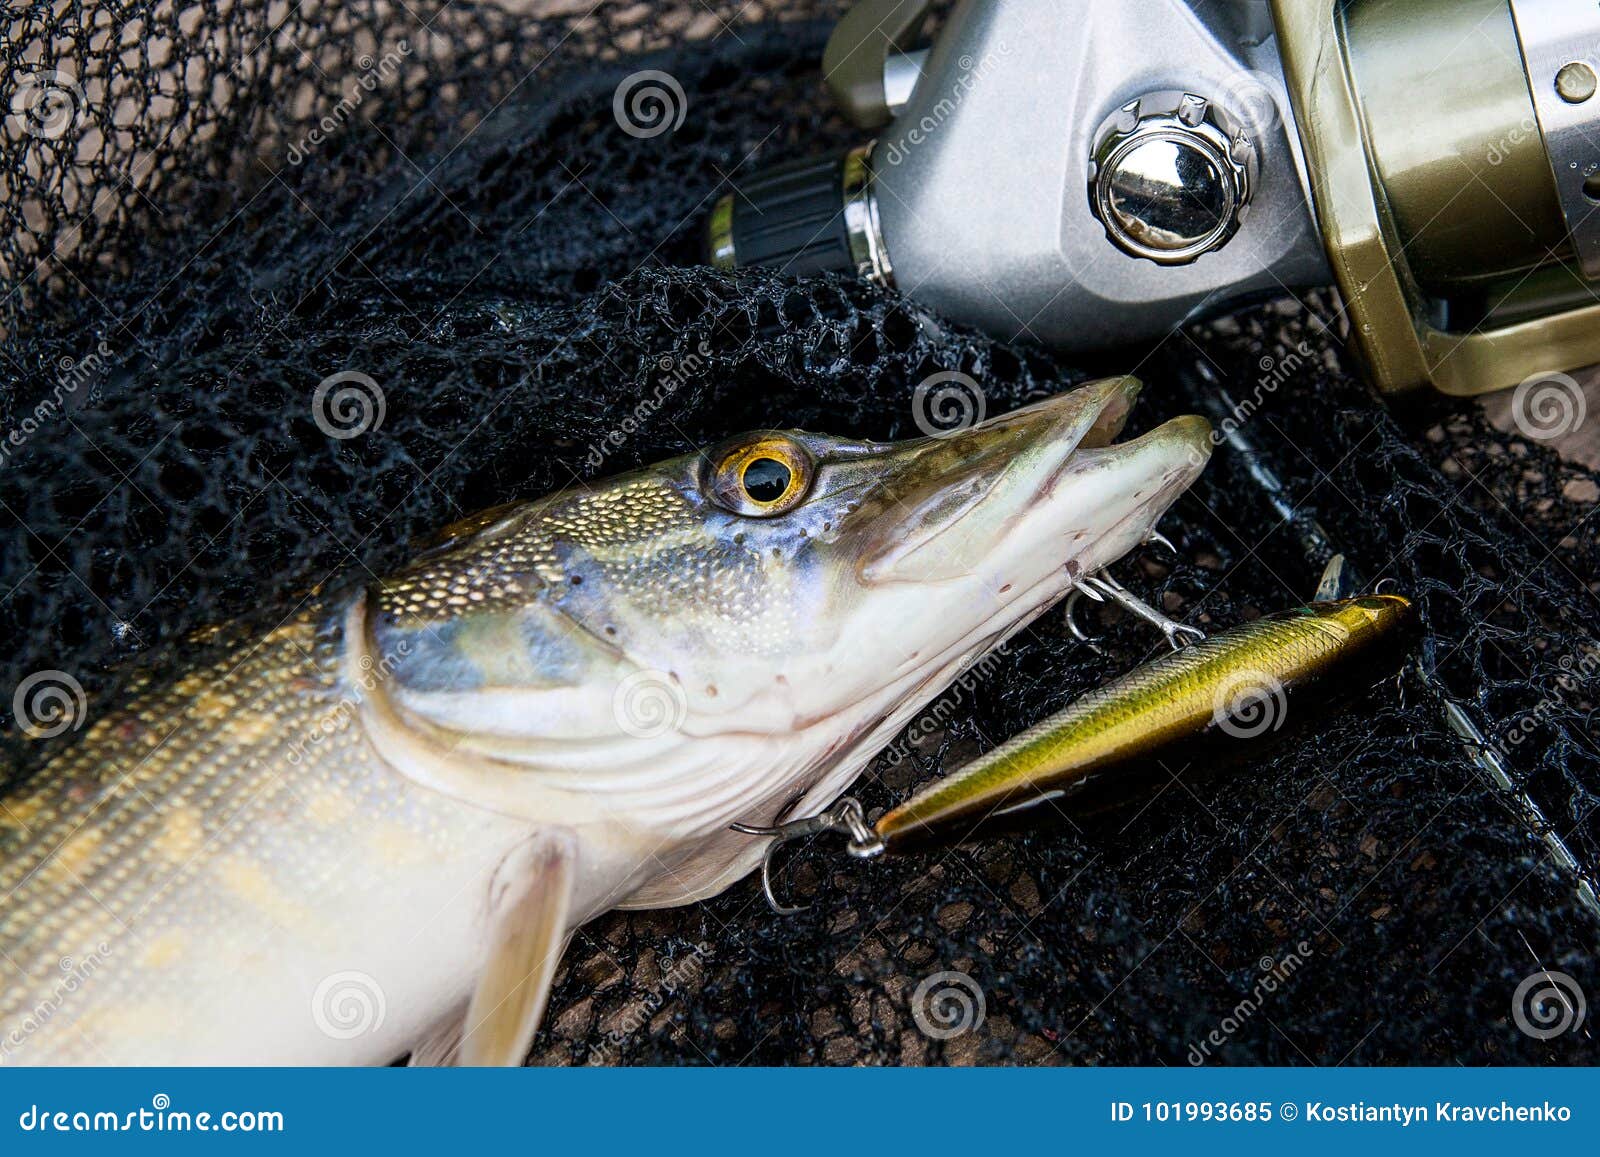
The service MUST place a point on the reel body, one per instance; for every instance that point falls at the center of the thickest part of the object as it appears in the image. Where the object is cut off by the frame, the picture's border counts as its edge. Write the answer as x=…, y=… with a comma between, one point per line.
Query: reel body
x=1090, y=174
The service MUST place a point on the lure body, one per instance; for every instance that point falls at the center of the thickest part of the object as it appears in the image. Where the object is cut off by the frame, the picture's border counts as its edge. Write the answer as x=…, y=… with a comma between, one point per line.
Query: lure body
x=1237, y=683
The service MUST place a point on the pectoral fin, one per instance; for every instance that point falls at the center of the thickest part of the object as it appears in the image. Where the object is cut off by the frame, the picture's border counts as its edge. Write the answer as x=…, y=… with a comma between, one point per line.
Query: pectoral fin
x=442, y=1046
x=527, y=934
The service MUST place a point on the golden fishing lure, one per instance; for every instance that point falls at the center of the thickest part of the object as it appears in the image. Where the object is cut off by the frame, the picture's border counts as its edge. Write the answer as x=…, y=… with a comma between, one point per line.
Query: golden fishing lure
x=1234, y=686
x=1237, y=683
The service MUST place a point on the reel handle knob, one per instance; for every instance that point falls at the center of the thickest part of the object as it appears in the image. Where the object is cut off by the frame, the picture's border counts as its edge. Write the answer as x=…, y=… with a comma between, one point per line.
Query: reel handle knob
x=814, y=216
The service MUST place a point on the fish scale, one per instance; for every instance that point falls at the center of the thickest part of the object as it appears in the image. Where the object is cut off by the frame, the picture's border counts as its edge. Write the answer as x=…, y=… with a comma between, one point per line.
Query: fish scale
x=170, y=819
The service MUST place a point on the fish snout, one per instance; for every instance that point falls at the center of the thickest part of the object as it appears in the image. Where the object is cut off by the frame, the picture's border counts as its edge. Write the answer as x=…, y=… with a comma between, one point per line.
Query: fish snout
x=1109, y=498
x=961, y=499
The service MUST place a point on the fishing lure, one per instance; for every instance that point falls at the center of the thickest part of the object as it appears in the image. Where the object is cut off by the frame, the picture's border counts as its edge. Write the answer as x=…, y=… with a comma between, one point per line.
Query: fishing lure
x=1230, y=687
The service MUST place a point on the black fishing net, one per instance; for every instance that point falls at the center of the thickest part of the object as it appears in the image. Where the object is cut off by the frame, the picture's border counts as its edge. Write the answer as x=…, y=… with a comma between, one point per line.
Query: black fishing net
x=211, y=211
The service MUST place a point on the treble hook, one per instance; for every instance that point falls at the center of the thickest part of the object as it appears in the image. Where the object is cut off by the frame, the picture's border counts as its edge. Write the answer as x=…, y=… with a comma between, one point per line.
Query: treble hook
x=1076, y=631
x=845, y=817
x=1100, y=587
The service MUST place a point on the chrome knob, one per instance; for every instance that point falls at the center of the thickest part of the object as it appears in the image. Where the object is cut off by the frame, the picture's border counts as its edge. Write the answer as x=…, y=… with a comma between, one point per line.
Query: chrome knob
x=1170, y=177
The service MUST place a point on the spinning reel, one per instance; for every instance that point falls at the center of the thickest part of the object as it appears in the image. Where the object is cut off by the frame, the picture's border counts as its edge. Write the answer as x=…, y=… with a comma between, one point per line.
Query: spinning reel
x=1090, y=173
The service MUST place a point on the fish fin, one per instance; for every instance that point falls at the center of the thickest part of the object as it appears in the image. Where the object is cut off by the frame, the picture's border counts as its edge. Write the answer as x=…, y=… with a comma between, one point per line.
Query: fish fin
x=1339, y=581
x=527, y=935
x=721, y=860
x=441, y=1047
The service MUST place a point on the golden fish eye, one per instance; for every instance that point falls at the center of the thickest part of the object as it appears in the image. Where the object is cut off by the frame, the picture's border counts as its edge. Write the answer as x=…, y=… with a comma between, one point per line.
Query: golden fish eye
x=763, y=477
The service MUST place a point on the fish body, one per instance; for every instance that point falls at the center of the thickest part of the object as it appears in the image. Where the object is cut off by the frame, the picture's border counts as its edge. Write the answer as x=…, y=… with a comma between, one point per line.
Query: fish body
x=222, y=870
x=371, y=829
x=1236, y=684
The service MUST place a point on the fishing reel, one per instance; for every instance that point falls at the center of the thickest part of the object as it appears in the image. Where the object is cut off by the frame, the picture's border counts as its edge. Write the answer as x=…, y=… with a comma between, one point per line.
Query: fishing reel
x=1090, y=173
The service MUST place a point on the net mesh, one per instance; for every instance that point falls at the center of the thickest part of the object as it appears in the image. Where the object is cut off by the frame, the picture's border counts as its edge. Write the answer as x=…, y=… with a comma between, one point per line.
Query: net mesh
x=212, y=209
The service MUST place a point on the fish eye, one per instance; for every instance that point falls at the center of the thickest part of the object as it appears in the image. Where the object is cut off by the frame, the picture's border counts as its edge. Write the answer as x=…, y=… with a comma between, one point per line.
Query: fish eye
x=767, y=480
x=763, y=477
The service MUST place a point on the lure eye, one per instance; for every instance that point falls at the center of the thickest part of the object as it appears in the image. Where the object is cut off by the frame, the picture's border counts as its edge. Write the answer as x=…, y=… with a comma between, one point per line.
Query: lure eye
x=764, y=477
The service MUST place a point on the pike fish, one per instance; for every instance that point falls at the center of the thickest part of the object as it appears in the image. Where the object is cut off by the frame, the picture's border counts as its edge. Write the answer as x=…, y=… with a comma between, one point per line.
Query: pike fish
x=371, y=830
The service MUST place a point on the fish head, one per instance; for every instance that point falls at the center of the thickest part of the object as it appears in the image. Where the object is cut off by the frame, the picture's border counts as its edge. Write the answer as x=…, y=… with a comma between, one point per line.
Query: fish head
x=734, y=632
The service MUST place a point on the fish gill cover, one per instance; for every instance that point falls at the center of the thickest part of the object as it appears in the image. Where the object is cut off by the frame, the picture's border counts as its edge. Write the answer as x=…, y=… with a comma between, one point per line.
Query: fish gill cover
x=283, y=287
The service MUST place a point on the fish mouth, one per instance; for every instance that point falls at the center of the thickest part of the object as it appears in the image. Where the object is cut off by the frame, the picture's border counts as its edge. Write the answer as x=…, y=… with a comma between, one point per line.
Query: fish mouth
x=977, y=533
x=1047, y=480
